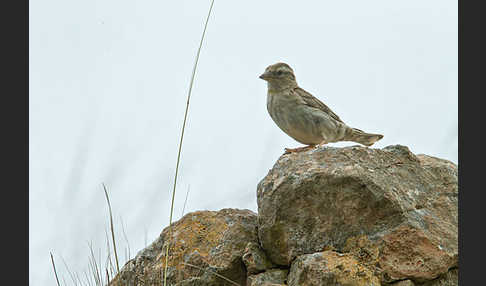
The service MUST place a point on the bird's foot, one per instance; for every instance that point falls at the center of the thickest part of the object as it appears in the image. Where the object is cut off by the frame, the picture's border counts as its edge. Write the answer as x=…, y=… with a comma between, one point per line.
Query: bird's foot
x=321, y=145
x=299, y=149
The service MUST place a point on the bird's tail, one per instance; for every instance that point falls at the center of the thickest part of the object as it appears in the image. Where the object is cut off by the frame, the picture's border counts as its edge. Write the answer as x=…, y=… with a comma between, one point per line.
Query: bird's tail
x=362, y=137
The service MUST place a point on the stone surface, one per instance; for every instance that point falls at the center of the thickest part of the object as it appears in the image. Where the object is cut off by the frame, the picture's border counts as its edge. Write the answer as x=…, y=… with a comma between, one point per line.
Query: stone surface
x=329, y=216
x=269, y=277
x=401, y=206
x=404, y=283
x=255, y=259
x=212, y=241
x=451, y=278
x=330, y=268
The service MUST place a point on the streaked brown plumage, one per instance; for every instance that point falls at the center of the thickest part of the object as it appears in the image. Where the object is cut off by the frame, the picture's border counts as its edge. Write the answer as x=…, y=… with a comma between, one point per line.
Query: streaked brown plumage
x=304, y=117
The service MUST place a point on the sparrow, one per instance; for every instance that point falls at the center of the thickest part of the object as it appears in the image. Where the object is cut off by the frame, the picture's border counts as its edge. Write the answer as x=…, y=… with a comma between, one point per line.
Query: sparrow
x=304, y=117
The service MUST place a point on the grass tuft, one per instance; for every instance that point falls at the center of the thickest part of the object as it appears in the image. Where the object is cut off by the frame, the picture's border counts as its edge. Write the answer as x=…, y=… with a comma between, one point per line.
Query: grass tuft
x=95, y=274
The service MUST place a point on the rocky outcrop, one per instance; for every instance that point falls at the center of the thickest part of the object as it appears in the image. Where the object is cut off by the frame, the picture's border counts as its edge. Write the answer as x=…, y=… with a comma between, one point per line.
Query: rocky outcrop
x=397, y=211
x=204, y=246
x=328, y=216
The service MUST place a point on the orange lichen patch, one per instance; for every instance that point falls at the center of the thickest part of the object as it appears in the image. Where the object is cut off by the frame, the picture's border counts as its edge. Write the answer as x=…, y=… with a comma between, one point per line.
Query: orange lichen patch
x=405, y=253
x=363, y=249
x=348, y=271
x=409, y=253
x=200, y=241
x=193, y=237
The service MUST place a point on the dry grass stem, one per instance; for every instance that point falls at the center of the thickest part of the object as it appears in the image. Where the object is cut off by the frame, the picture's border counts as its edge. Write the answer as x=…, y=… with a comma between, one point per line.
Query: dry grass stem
x=212, y=272
x=182, y=137
x=54, y=267
x=69, y=272
x=185, y=201
x=112, y=229
x=126, y=240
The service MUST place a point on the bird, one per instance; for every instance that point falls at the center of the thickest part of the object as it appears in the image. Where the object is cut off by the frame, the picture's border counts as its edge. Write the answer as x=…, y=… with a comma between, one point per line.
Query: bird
x=304, y=117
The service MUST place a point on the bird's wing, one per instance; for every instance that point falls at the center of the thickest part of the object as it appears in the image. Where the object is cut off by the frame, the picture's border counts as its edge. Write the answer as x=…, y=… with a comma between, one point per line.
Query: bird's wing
x=311, y=101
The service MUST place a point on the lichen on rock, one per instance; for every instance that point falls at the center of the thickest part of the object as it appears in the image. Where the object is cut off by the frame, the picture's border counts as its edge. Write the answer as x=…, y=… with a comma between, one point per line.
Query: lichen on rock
x=213, y=241
x=330, y=268
x=329, y=216
x=269, y=277
x=404, y=205
x=255, y=259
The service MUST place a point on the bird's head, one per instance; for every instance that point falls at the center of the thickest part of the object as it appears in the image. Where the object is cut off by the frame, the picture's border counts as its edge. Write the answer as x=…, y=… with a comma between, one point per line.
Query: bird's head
x=278, y=73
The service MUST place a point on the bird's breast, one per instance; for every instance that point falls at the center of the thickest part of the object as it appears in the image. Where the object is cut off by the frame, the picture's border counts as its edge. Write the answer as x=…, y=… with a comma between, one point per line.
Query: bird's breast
x=280, y=106
x=289, y=115
x=305, y=124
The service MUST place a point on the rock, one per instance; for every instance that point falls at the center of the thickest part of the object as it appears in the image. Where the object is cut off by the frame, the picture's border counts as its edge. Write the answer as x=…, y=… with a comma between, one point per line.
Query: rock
x=403, y=283
x=402, y=207
x=412, y=253
x=330, y=268
x=269, y=277
x=201, y=243
x=255, y=259
x=451, y=278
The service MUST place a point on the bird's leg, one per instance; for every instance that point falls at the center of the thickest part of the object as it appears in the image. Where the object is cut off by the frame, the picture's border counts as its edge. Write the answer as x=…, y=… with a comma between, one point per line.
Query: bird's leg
x=321, y=144
x=299, y=149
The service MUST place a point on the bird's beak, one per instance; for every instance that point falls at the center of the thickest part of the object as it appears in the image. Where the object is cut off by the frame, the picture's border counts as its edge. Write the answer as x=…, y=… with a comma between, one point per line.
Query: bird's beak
x=264, y=76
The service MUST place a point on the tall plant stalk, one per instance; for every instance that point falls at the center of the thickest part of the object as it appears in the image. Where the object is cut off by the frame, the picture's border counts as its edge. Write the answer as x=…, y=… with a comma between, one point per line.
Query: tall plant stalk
x=111, y=228
x=180, y=142
x=54, y=267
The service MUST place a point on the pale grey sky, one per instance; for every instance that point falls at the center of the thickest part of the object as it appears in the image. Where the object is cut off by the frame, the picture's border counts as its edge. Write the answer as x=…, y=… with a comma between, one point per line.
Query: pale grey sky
x=108, y=86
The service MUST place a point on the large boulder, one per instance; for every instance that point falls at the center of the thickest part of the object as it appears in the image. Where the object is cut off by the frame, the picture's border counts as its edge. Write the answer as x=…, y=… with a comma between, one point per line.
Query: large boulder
x=396, y=211
x=206, y=248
